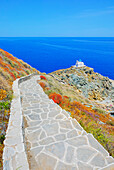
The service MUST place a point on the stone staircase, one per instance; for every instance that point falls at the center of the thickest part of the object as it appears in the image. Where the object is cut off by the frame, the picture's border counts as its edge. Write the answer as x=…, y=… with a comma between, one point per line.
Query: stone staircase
x=52, y=140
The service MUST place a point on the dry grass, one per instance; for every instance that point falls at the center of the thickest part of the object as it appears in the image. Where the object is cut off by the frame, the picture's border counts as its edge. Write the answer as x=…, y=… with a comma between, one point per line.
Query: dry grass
x=65, y=90
x=4, y=84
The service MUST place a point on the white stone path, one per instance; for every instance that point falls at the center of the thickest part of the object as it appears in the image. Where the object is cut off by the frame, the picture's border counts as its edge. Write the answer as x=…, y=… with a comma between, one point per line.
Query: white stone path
x=56, y=141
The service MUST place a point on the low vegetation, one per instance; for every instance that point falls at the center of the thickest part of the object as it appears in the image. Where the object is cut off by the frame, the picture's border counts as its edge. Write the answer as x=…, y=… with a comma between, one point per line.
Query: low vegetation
x=11, y=68
x=91, y=117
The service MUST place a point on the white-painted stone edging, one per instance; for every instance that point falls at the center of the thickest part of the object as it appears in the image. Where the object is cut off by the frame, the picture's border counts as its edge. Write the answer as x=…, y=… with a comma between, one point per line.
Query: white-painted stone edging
x=14, y=155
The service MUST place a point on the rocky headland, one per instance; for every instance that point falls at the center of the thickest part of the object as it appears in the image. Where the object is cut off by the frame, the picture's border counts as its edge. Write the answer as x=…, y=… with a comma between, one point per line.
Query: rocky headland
x=91, y=85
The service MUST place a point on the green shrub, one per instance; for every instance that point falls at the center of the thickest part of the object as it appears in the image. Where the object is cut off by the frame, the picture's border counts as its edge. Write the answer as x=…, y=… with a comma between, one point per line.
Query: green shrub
x=99, y=110
x=83, y=113
x=16, y=65
x=11, y=63
x=110, y=123
x=7, y=59
x=10, y=95
x=5, y=105
x=22, y=74
x=28, y=71
x=49, y=92
x=15, y=74
x=2, y=137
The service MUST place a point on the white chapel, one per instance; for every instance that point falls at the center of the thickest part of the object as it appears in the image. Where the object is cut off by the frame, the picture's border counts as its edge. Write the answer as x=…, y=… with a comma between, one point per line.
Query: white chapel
x=79, y=63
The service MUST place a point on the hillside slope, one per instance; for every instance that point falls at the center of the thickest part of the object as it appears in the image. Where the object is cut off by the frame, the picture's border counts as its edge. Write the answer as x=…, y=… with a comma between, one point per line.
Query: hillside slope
x=88, y=97
x=11, y=68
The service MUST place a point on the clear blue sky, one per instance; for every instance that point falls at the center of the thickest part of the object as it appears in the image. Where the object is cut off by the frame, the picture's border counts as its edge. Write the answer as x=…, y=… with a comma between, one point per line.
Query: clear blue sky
x=57, y=18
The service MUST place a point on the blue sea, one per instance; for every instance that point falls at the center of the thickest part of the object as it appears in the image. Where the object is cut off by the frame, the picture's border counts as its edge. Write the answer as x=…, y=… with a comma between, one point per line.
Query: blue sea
x=50, y=54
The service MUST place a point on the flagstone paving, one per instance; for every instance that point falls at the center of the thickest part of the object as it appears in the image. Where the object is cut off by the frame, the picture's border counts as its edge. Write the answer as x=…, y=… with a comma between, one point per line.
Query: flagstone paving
x=54, y=140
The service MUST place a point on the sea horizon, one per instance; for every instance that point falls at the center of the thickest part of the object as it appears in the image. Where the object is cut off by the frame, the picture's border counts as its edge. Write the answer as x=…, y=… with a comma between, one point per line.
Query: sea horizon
x=56, y=37
x=48, y=54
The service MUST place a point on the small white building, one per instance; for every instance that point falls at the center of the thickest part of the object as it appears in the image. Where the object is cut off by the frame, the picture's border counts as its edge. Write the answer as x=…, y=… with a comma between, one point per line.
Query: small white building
x=79, y=63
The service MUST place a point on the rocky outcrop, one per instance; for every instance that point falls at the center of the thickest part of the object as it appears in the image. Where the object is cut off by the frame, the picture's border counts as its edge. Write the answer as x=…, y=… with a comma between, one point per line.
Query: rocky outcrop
x=92, y=85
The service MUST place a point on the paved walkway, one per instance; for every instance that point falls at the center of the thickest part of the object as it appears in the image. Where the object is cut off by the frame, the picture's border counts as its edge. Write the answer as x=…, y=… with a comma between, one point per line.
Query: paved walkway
x=54, y=140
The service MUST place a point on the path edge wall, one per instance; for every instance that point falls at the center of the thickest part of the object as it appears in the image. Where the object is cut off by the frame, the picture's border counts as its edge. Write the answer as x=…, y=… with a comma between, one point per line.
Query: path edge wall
x=14, y=155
